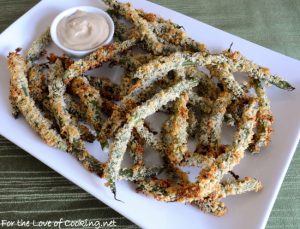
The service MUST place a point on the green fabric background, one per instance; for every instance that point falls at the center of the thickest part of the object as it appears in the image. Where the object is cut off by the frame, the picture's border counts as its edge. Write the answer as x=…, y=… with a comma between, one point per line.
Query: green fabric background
x=30, y=190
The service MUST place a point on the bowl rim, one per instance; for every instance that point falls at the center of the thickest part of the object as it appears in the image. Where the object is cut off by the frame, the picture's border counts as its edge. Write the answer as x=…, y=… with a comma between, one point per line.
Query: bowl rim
x=68, y=12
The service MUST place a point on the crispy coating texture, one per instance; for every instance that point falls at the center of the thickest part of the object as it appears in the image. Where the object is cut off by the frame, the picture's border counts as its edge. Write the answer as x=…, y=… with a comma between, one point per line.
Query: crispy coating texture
x=92, y=100
x=175, y=131
x=95, y=59
x=122, y=137
x=37, y=83
x=38, y=46
x=20, y=94
x=164, y=70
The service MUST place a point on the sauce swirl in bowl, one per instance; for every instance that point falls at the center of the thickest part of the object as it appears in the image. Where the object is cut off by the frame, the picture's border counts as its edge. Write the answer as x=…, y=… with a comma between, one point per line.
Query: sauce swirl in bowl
x=81, y=30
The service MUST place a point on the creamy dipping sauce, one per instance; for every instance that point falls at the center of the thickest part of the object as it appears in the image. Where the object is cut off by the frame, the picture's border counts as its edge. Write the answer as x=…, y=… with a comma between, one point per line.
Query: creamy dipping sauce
x=82, y=30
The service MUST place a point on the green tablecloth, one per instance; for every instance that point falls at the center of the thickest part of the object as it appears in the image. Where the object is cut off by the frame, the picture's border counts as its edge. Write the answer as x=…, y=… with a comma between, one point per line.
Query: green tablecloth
x=31, y=191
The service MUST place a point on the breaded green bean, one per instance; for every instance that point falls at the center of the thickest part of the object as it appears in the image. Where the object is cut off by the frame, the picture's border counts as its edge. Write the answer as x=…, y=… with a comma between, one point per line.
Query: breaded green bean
x=210, y=132
x=239, y=63
x=172, y=32
x=127, y=10
x=37, y=83
x=56, y=89
x=192, y=121
x=74, y=107
x=234, y=62
x=175, y=131
x=224, y=75
x=210, y=177
x=20, y=94
x=163, y=190
x=149, y=73
x=139, y=170
x=132, y=60
x=12, y=100
x=92, y=100
x=199, y=102
x=247, y=184
x=207, y=87
x=262, y=137
x=152, y=140
x=139, y=174
x=38, y=46
x=95, y=59
x=106, y=88
x=85, y=132
x=136, y=146
x=65, y=122
x=118, y=147
x=216, y=208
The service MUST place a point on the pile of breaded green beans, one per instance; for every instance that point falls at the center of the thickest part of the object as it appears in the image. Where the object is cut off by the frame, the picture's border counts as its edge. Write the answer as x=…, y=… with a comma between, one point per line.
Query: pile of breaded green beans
x=161, y=64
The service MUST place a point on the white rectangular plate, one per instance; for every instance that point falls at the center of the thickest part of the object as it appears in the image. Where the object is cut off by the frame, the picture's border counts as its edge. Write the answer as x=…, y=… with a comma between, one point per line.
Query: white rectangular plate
x=245, y=211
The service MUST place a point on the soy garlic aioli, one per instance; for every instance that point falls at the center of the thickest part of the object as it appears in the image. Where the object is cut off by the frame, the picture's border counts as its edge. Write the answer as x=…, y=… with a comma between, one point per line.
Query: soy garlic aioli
x=82, y=30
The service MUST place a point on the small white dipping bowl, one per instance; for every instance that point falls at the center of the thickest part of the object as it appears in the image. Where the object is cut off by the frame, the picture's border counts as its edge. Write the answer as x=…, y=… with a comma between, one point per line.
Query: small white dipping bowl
x=68, y=12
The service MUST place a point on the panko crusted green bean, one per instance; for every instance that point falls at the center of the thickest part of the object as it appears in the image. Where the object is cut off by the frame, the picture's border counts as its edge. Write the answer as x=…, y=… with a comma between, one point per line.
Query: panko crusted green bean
x=207, y=87
x=56, y=97
x=107, y=89
x=139, y=174
x=92, y=100
x=132, y=60
x=37, y=83
x=20, y=94
x=75, y=107
x=163, y=190
x=209, y=137
x=210, y=177
x=232, y=62
x=213, y=207
x=172, y=32
x=139, y=170
x=85, y=132
x=239, y=63
x=95, y=59
x=218, y=208
x=152, y=72
x=247, y=184
x=127, y=10
x=224, y=75
x=38, y=46
x=118, y=147
x=175, y=131
x=203, y=103
x=192, y=121
x=152, y=140
x=136, y=146
x=262, y=137
x=12, y=100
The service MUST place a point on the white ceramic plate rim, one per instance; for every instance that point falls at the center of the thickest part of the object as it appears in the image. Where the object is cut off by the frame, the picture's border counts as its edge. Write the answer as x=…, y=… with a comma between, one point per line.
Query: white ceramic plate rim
x=217, y=40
